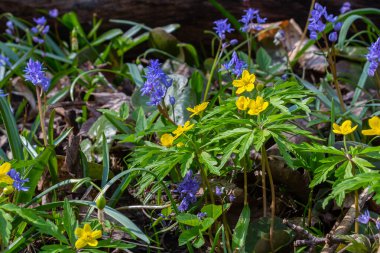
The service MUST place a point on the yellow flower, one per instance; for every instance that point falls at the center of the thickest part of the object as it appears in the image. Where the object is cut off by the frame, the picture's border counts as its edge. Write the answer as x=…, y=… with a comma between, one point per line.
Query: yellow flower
x=167, y=140
x=245, y=83
x=197, y=109
x=180, y=144
x=374, y=123
x=345, y=128
x=4, y=177
x=87, y=237
x=181, y=129
x=257, y=106
x=242, y=103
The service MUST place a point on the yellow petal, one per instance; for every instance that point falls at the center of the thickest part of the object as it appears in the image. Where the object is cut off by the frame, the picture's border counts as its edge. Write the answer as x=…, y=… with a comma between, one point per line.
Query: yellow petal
x=250, y=87
x=374, y=122
x=6, y=179
x=5, y=168
x=337, y=129
x=87, y=228
x=238, y=83
x=78, y=232
x=240, y=90
x=80, y=243
x=346, y=124
x=96, y=234
x=252, y=78
x=369, y=132
x=245, y=74
x=353, y=129
x=265, y=105
x=93, y=243
x=190, y=109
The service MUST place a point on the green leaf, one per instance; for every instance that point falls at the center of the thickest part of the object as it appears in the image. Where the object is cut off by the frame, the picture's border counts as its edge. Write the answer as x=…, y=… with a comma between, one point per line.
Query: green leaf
x=263, y=59
x=210, y=162
x=188, y=219
x=214, y=211
x=69, y=221
x=5, y=228
x=141, y=123
x=109, y=35
x=12, y=130
x=241, y=228
x=188, y=235
x=106, y=161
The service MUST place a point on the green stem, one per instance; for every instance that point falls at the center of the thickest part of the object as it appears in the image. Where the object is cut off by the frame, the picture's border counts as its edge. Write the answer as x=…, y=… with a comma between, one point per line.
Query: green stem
x=332, y=65
x=249, y=49
x=212, y=72
x=273, y=195
x=356, y=211
x=42, y=115
x=263, y=181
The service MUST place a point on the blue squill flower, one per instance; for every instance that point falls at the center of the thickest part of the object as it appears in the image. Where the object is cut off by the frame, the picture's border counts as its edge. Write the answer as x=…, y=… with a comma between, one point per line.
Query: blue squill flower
x=218, y=191
x=317, y=23
x=18, y=183
x=187, y=190
x=156, y=84
x=231, y=197
x=235, y=65
x=10, y=27
x=250, y=17
x=222, y=27
x=345, y=7
x=373, y=57
x=201, y=215
x=35, y=74
x=40, y=21
x=53, y=13
x=4, y=61
x=2, y=94
x=364, y=218
x=172, y=100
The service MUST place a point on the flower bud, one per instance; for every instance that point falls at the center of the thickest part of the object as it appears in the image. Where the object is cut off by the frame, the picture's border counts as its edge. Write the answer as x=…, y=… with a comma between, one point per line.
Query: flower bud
x=101, y=202
x=260, y=86
x=8, y=190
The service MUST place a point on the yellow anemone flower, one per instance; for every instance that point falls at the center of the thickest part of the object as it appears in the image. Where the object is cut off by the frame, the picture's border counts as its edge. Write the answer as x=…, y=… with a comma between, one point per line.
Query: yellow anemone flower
x=374, y=123
x=197, y=109
x=245, y=83
x=4, y=177
x=87, y=237
x=181, y=129
x=242, y=103
x=167, y=140
x=345, y=128
x=257, y=106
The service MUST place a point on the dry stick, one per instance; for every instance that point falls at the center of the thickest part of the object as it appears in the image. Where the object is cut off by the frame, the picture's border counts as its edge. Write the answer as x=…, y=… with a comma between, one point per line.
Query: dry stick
x=305, y=29
x=312, y=240
x=346, y=224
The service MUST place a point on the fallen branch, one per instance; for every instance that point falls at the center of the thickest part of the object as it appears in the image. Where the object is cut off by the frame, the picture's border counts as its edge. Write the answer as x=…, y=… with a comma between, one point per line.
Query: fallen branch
x=334, y=238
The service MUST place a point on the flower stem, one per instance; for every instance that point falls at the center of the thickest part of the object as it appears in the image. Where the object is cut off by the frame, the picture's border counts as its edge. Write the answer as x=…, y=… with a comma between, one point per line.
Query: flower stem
x=356, y=212
x=263, y=181
x=42, y=115
x=273, y=195
x=217, y=56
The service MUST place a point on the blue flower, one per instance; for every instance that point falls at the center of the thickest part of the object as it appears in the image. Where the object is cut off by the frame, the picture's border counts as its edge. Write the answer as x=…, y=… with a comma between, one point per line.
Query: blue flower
x=235, y=65
x=40, y=29
x=53, y=13
x=187, y=190
x=364, y=218
x=35, y=74
x=373, y=57
x=231, y=197
x=2, y=94
x=18, y=183
x=377, y=224
x=4, y=61
x=317, y=25
x=333, y=36
x=201, y=215
x=40, y=21
x=10, y=27
x=156, y=83
x=345, y=7
x=252, y=16
x=218, y=191
x=222, y=27
x=172, y=100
